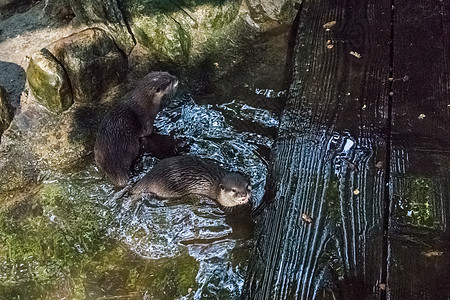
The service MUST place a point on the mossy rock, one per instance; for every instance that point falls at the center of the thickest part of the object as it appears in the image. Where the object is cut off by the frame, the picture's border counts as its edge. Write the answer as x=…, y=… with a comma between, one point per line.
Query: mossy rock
x=46, y=234
x=178, y=33
x=106, y=15
x=271, y=13
x=82, y=67
x=49, y=82
x=93, y=63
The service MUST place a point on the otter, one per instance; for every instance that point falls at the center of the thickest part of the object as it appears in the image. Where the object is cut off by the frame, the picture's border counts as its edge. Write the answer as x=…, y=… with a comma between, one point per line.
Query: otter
x=118, y=139
x=179, y=176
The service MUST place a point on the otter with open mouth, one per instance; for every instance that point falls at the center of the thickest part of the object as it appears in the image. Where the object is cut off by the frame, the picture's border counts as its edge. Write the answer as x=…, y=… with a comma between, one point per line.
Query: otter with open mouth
x=117, y=144
x=185, y=175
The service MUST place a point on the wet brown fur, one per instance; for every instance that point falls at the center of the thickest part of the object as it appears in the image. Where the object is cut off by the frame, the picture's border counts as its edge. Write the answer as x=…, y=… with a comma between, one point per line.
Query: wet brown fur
x=184, y=175
x=117, y=144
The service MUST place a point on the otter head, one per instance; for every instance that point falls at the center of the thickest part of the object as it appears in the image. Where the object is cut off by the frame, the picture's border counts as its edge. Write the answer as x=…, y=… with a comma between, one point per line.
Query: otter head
x=234, y=189
x=159, y=84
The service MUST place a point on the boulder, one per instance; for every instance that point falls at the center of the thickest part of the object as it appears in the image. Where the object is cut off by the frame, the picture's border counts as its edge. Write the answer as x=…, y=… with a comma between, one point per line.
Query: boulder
x=268, y=14
x=107, y=15
x=49, y=82
x=39, y=142
x=92, y=61
x=7, y=4
x=59, y=10
x=175, y=32
x=81, y=67
x=6, y=111
x=13, y=78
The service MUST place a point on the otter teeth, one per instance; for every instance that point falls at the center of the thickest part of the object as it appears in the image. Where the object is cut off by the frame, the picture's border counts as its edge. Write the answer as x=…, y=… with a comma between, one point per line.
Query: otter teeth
x=244, y=200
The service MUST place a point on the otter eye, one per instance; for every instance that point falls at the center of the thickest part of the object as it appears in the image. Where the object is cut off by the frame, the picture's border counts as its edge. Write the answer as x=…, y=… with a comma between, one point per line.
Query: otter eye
x=233, y=190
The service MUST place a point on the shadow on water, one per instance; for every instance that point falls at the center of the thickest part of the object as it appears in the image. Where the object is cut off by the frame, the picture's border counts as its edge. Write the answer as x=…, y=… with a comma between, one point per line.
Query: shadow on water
x=12, y=78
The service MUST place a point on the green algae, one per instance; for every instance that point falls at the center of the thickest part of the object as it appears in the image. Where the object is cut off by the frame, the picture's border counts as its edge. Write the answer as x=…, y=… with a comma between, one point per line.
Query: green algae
x=416, y=202
x=179, y=32
x=55, y=244
x=45, y=237
x=49, y=82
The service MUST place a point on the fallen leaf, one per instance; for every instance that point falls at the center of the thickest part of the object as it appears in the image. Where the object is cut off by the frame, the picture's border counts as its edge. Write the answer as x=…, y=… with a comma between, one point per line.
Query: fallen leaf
x=307, y=218
x=382, y=286
x=355, y=54
x=432, y=253
x=356, y=192
x=329, y=44
x=328, y=25
x=421, y=116
x=379, y=165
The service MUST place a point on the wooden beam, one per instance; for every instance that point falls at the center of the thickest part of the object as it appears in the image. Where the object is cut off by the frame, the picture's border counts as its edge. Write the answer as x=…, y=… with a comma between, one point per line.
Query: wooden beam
x=321, y=235
x=419, y=238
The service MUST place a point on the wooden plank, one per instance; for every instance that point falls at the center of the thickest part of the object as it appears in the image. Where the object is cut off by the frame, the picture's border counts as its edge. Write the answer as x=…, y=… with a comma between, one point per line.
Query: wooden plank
x=328, y=161
x=419, y=239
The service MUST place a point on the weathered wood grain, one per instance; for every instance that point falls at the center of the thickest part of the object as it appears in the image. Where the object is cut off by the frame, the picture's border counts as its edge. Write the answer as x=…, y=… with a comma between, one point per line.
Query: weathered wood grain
x=329, y=160
x=419, y=238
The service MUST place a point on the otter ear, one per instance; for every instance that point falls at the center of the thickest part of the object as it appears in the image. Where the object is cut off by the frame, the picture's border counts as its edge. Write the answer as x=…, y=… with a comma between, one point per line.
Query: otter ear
x=222, y=187
x=158, y=90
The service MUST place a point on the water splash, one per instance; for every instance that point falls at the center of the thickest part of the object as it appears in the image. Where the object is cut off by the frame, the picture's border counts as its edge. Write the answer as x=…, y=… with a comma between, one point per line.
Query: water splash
x=156, y=229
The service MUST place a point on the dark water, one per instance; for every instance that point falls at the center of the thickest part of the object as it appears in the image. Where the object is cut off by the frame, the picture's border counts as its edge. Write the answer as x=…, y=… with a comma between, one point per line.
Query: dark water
x=74, y=237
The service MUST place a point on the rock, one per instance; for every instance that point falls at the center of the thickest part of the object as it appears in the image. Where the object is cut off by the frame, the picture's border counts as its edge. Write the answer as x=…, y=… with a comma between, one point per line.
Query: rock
x=81, y=67
x=6, y=111
x=49, y=82
x=6, y=4
x=59, y=10
x=12, y=78
x=92, y=61
x=178, y=33
x=107, y=16
x=39, y=142
x=268, y=14
x=9, y=7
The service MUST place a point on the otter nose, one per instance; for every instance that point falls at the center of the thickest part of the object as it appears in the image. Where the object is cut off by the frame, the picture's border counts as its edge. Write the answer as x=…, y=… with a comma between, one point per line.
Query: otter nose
x=242, y=194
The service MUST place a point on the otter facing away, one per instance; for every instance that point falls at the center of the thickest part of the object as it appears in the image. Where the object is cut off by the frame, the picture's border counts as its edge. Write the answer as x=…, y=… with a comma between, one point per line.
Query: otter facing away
x=184, y=175
x=117, y=144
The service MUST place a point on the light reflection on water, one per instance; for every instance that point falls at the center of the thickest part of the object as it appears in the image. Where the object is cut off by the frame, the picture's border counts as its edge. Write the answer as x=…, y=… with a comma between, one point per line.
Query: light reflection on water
x=156, y=229
x=212, y=132
x=77, y=238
